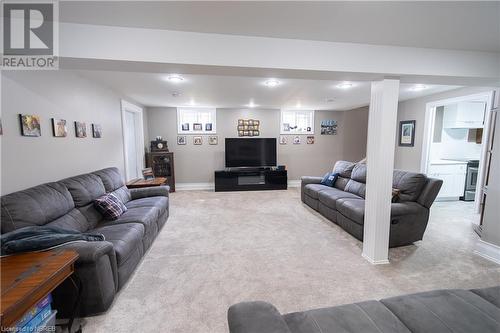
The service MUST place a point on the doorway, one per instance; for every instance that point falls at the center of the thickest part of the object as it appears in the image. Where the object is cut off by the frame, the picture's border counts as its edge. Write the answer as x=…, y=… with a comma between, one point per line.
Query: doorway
x=454, y=148
x=133, y=140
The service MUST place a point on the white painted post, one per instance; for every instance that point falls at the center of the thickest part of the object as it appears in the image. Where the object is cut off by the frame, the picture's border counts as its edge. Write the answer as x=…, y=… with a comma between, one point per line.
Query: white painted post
x=382, y=127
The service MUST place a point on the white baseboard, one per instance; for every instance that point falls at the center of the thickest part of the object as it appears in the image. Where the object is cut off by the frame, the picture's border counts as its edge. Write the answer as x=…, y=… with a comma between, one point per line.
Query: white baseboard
x=488, y=251
x=294, y=183
x=375, y=262
x=194, y=186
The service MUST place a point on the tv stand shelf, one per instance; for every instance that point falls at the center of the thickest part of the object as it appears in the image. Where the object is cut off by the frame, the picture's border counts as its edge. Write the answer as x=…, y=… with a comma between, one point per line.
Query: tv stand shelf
x=250, y=179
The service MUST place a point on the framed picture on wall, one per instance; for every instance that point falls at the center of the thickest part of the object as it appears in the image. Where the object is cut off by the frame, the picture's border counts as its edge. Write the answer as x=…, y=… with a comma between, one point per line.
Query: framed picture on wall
x=59, y=128
x=30, y=125
x=213, y=140
x=197, y=140
x=96, y=131
x=407, y=133
x=181, y=140
x=80, y=129
x=283, y=140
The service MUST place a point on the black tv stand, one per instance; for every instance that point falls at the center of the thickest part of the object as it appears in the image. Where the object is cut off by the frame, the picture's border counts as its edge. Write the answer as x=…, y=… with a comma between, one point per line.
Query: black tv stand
x=251, y=179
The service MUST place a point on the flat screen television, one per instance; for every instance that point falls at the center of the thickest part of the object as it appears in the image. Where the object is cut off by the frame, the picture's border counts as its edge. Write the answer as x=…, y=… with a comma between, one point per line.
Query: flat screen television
x=250, y=152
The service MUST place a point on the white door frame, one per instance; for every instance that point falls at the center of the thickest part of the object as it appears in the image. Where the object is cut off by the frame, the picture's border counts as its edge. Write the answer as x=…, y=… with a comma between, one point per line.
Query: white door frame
x=430, y=113
x=129, y=107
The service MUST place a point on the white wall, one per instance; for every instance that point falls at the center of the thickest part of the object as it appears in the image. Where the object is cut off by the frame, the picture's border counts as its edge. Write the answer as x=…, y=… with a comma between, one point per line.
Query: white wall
x=409, y=158
x=196, y=164
x=29, y=161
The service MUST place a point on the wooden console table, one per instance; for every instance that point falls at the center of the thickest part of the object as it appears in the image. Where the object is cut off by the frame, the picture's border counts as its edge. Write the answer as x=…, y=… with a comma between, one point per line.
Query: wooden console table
x=28, y=278
x=140, y=182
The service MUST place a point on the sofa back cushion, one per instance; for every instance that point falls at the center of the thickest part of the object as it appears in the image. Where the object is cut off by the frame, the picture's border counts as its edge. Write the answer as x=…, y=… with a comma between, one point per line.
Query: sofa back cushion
x=344, y=170
x=410, y=184
x=113, y=183
x=84, y=188
x=38, y=205
x=356, y=185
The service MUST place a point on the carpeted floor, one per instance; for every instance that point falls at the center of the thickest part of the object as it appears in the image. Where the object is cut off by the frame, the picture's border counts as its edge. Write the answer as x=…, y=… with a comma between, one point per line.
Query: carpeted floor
x=221, y=248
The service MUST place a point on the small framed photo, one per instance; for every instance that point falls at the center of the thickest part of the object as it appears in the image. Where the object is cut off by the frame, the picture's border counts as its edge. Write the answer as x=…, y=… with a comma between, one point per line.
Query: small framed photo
x=197, y=140
x=80, y=129
x=96, y=131
x=286, y=127
x=245, y=127
x=250, y=122
x=296, y=140
x=241, y=127
x=185, y=127
x=246, y=133
x=245, y=122
x=208, y=127
x=310, y=140
x=59, y=128
x=250, y=133
x=213, y=140
x=30, y=125
x=197, y=127
x=256, y=133
x=407, y=133
x=256, y=122
x=283, y=140
x=241, y=133
x=181, y=140
x=240, y=122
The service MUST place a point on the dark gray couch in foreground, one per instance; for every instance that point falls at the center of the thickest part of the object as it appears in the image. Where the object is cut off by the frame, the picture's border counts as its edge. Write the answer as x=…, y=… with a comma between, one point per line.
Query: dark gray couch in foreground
x=103, y=267
x=464, y=311
x=344, y=204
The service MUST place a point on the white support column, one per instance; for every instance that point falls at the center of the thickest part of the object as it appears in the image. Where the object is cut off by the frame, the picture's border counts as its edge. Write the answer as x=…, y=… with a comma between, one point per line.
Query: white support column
x=382, y=127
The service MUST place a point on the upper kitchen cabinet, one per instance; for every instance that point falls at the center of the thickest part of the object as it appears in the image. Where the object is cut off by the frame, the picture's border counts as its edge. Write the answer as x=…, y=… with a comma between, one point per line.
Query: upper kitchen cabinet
x=464, y=115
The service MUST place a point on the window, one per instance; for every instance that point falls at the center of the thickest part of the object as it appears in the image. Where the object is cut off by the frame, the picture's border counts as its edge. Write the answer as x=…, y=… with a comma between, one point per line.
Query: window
x=297, y=122
x=196, y=121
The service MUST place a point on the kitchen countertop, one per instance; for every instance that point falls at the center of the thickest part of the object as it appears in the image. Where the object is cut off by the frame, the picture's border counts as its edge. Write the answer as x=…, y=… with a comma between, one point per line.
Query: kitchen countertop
x=444, y=162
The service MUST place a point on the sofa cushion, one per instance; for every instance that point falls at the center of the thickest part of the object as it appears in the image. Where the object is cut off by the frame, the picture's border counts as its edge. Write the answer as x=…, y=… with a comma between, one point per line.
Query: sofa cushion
x=410, y=184
x=313, y=190
x=343, y=168
x=445, y=311
x=330, y=196
x=353, y=209
x=113, y=182
x=38, y=205
x=84, y=188
x=158, y=202
x=146, y=216
x=370, y=316
x=110, y=206
x=356, y=187
x=491, y=294
x=126, y=239
x=329, y=179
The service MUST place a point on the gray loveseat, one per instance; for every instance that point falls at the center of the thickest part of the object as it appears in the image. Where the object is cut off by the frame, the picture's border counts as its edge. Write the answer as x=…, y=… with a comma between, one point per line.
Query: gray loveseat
x=455, y=310
x=103, y=267
x=344, y=203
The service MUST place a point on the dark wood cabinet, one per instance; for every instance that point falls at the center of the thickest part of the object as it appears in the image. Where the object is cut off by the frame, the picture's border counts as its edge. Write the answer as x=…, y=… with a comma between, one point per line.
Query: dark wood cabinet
x=162, y=164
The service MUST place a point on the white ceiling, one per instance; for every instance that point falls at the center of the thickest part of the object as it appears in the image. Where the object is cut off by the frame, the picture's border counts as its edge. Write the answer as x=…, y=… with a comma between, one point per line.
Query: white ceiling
x=472, y=25
x=152, y=89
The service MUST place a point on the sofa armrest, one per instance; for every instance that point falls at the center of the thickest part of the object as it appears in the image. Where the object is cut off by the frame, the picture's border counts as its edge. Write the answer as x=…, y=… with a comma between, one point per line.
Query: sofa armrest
x=304, y=180
x=152, y=191
x=255, y=317
x=430, y=192
x=406, y=208
x=89, y=252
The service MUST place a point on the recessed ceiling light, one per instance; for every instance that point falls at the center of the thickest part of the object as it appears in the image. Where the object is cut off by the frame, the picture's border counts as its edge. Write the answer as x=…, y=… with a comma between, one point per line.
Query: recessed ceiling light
x=192, y=102
x=344, y=85
x=418, y=87
x=272, y=83
x=175, y=78
x=175, y=94
x=251, y=105
x=298, y=105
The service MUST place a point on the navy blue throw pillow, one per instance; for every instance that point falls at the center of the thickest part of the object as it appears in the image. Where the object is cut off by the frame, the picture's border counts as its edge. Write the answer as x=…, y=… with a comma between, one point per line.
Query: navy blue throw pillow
x=329, y=179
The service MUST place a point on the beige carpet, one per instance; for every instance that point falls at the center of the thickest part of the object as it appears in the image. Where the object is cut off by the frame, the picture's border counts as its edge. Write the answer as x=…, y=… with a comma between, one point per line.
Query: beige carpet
x=221, y=248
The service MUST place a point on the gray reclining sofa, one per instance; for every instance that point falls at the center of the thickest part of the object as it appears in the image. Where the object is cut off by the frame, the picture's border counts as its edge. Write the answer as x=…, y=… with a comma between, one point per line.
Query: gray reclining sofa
x=102, y=267
x=453, y=311
x=344, y=204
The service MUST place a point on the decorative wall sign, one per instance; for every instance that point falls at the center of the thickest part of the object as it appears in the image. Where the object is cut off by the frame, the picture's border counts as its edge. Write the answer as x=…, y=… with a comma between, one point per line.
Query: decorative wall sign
x=310, y=140
x=213, y=140
x=96, y=131
x=30, y=125
x=328, y=127
x=283, y=140
x=296, y=140
x=197, y=140
x=208, y=127
x=80, y=129
x=407, y=133
x=185, y=127
x=248, y=127
x=59, y=128
x=197, y=127
x=181, y=140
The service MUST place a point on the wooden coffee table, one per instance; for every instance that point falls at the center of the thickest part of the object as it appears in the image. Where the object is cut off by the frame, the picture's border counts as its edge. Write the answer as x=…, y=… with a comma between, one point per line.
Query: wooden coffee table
x=30, y=277
x=140, y=183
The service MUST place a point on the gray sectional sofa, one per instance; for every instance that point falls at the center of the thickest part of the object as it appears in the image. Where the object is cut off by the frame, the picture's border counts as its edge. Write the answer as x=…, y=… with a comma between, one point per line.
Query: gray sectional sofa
x=102, y=267
x=453, y=310
x=344, y=203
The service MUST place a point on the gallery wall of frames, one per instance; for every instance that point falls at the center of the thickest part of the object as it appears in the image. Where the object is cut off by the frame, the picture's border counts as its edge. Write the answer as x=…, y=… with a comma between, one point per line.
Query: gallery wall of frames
x=30, y=125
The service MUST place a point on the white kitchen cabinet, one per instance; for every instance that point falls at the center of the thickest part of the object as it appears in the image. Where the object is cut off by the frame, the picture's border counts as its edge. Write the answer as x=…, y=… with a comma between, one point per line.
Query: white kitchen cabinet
x=453, y=176
x=464, y=115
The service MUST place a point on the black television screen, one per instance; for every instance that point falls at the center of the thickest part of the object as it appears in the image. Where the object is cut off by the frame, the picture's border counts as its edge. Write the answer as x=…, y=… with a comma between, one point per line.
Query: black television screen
x=250, y=152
